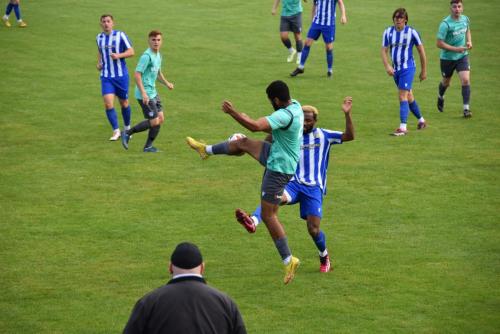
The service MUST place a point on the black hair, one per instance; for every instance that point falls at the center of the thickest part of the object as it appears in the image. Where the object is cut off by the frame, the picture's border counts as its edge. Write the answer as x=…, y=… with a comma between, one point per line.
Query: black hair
x=278, y=89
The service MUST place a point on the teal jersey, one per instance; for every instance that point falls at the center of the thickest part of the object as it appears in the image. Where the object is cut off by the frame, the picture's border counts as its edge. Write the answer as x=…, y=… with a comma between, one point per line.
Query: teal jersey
x=291, y=7
x=453, y=33
x=149, y=65
x=287, y=126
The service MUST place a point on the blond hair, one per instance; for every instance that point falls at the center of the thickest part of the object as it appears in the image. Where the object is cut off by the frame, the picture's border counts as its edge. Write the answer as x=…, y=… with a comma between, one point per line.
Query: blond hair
x=314, y=110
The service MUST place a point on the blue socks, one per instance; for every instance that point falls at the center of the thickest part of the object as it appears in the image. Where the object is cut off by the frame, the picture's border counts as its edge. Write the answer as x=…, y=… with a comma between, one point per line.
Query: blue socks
x=320, y=241
x=126, y=112
x=329, y=59
x=305, y=54
x=403, y=111
x=257, y=213
x=415, y=109
x=113, y=120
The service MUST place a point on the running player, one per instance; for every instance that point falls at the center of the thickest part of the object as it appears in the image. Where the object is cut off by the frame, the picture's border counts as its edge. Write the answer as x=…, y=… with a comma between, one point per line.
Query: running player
x=323, y=23
x=148, y=70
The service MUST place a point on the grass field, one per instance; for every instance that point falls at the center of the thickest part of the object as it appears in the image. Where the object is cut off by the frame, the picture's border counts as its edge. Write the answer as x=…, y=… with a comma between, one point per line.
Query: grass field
x=87, y=228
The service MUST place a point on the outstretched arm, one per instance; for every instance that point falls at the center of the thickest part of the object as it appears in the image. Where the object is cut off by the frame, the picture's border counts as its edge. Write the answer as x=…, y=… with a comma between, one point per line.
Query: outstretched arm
x=348, y=134
x=260, y=124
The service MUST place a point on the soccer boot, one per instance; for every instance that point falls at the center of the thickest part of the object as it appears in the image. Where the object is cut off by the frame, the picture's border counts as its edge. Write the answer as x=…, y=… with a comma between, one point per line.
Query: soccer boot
x=198, y=147
x=6, y=22
x=151, y=149
x=467, y=113
x=22, y=24
x=289, y=59
x=421, y=125
x=116, y=135
x=290, y=270
x=125, y=139
x=296, y=72
x=244, y=219
x=440, y=104
x=329, y=74
x=399, y=132
x=325, y=265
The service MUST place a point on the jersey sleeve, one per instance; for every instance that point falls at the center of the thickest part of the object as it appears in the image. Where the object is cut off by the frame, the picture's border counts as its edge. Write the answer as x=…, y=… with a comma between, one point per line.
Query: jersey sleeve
x=416, y=37
x=142, y=64
x=442, y=31
x=125, y=42
x=279, y=119
x=385, y=38
x=333, y=137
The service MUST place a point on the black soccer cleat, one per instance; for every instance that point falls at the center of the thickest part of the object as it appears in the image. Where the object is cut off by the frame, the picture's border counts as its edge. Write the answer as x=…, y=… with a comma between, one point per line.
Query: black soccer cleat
x=440, y=104
x=467, y=113
x=329, y=74
x=296, y=72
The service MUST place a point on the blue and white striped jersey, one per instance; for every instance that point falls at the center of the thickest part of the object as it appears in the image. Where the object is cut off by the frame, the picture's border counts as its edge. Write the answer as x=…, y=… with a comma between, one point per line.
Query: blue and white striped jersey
x=314, y=156
x=115, y=42
x=325, y=12
x=401, y=45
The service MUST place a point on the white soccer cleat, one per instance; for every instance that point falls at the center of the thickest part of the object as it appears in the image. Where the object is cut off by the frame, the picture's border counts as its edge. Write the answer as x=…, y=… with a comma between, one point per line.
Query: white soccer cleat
x=116, y=135
x=289, y=59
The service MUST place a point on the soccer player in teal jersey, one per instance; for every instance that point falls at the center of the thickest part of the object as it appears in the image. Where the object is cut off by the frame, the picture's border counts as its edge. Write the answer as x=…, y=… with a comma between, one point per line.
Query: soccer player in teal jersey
x=290, y=21
x=148, y=70
x=13, y=5
x=454, y=39
x=279, y=158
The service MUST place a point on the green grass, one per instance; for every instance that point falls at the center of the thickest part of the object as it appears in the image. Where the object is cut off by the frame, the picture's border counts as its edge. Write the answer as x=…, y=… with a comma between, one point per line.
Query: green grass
x=87, y=228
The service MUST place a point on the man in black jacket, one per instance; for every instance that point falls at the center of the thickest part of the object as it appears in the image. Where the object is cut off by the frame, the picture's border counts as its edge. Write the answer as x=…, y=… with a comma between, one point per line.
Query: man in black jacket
x=186, y=304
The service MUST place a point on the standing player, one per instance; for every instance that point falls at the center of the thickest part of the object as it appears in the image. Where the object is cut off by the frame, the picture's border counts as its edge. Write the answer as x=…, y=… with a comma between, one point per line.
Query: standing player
x=13, y=4
x=454, y=39
x=114, y=46
x=279, y=158
x=147, y=71
x=308, y=185
x=323, y=23
x=400, y=39
x=291, y=21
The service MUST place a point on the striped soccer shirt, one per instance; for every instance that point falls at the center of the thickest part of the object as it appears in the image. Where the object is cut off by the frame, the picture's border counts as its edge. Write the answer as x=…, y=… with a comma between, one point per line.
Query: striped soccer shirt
x=314, y=156
x=325, y=12
x=401, y=45
x=115, y=42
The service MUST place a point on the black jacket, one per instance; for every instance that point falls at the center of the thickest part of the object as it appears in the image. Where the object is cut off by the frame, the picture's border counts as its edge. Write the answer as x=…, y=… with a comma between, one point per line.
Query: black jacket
x=185, y=305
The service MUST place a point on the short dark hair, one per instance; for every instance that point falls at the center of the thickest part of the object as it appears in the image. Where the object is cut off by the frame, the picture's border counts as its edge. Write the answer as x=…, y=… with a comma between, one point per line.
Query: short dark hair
x=107, y=15
x=455, y=1
x=278, y=89
x=401, y=12
x=154, y=33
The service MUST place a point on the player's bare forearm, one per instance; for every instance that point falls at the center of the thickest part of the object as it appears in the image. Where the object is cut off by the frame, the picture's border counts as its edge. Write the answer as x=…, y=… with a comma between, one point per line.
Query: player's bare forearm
x=348, y=134
x=423, y=62
x=385, y=61
x=140, y=86
x=163, y=80
x=253, y=125
x=343, y=17
x=468, y=43
x=445, y=46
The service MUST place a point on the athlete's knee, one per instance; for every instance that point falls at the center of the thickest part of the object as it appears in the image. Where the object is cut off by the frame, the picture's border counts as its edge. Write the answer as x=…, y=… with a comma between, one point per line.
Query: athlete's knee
x=124, y=103
x=312, y=229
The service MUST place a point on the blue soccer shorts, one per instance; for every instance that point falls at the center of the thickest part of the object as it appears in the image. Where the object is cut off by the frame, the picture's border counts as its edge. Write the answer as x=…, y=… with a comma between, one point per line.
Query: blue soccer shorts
x=328, y=33
x=309, y=197
x=117, y=86
x=404, y=78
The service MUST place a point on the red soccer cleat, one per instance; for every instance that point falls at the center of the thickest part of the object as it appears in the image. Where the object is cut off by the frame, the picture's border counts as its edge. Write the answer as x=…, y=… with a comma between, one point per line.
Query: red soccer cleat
x=325, y=265
x=244, y=219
